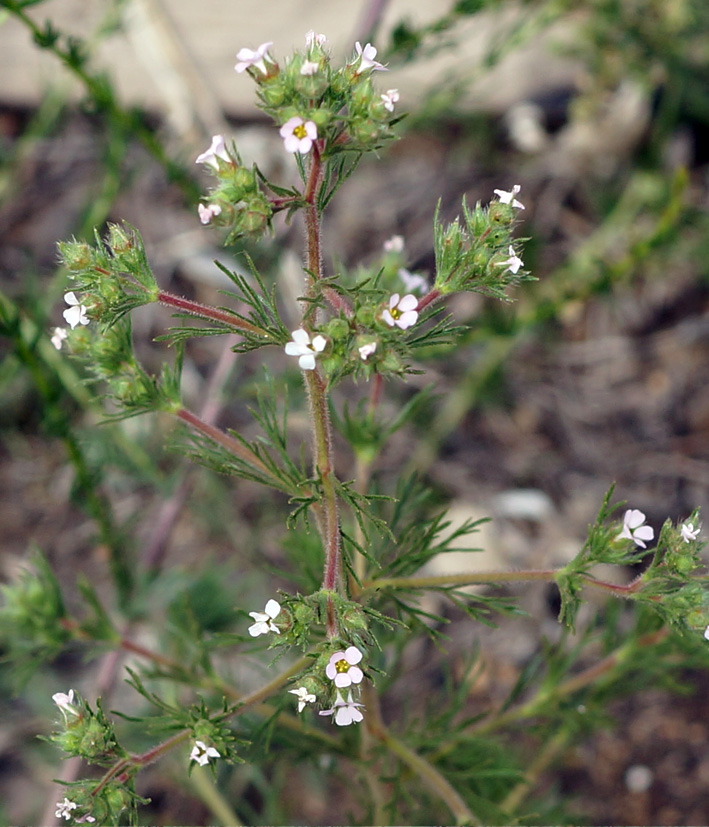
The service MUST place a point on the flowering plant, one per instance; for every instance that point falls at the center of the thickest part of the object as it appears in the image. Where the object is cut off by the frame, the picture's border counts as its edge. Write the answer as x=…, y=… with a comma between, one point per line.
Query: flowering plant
x=340, y=633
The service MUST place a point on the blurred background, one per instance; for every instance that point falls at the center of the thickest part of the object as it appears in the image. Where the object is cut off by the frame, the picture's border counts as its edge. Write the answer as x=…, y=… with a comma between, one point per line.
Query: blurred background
x=597, y=373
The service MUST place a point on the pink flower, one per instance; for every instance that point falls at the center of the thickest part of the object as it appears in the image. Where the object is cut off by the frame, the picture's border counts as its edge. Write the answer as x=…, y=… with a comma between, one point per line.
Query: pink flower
x=365, y=351
x=216, y=150
x=633, y=528
x=208, y=212
x=509, y=197
x=513, y=263
x=247, y=58
x=346, y=712
x=298, y=135
x=401, y=311
x=58, y=337
x=343, y=668
x=366, y=58
x=389, y=98
x=312, y=39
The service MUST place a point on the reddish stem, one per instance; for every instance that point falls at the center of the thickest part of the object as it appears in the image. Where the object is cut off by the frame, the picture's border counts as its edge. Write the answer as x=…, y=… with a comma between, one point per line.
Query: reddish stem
x=214, y=314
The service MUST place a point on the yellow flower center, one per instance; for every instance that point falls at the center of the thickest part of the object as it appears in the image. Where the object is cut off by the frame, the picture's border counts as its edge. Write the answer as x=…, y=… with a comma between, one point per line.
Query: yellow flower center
x=395, y=313
x=300, y=131
x=342, y=666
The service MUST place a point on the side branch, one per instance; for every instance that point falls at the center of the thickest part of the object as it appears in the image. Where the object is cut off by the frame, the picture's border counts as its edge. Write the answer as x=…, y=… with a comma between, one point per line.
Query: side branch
x=213, y=314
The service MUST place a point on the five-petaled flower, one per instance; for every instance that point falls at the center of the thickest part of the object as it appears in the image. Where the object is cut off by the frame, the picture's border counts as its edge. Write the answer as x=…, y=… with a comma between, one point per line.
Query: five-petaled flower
x=342, y=667
x=389, y=98
x=401, y=311
x=58, y=337
x=76, y=313
x=208, y=212
x=513, y=263
x=201, y=753
x=264, y=620
x=366, y=58
x=64, y=809
x=298, y=135
x=633, y=528
x=304, y=349
x=365, y=351
x=247, y=58
x=509, y=197
x=689, y=532
x=304, y=697
x=346, y=712
x=216, y=150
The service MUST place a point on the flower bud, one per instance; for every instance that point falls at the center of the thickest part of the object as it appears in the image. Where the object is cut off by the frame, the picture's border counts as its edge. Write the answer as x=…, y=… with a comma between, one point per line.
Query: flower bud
x=76, y=255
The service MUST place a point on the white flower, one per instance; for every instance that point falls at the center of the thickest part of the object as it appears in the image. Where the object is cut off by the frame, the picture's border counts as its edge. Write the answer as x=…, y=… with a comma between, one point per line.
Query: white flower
x=706, y=633
x=85, y=819
x=304, y=697
x=264, y=620
x=689, y=532
x=247, y=57
x=412, y=281
x=208, y=212
x=389, y=98
x=58, y=337
x=366, y=58
x=201, y=753
x=367, y=350
x=64, y=809
x=509, y=197
x=304, y=349
x=65, y=703
x=312, y=39
x=346, y=712
x=309, y=67
x=633, y=528
x=395, y=244
x=343, y=668
x=76, y=314
x=513, y=263
x=401, y=311
x=216, y=150
x=298, y=135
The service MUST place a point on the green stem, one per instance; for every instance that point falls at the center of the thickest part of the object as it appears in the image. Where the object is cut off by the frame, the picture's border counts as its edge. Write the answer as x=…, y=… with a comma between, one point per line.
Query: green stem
x=496, y=577
x=431, y=778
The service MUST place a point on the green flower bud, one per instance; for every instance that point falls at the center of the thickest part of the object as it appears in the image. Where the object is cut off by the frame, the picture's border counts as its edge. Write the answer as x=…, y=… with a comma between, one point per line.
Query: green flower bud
x=76, y=255
x=337, y=329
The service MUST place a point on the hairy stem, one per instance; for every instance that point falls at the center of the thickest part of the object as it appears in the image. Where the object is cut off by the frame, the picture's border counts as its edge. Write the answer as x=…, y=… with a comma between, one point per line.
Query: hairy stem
x=213, y=314
x=323, y=455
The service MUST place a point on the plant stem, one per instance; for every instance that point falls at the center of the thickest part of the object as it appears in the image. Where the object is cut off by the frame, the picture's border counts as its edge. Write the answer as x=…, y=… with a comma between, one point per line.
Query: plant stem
x=495, y=577
x=323, y=455
x=246, y=455
x=214, y=314
x=431, y=778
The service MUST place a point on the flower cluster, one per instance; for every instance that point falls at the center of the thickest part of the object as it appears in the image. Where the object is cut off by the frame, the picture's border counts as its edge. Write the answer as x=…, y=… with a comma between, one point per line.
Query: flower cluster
x=237, y=201
x=470, y=253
